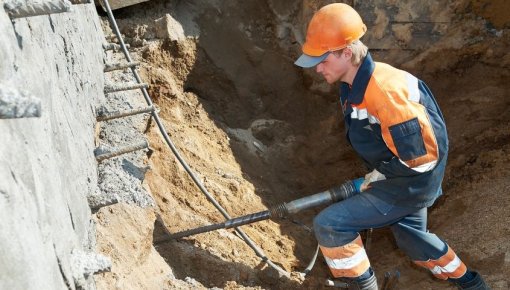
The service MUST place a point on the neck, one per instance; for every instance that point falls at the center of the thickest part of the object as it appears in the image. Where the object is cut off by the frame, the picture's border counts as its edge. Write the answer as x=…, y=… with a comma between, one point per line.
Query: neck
x=351, y=74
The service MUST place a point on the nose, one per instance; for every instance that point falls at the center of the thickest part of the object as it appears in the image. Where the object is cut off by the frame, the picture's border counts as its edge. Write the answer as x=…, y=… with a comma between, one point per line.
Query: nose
x=318, y=68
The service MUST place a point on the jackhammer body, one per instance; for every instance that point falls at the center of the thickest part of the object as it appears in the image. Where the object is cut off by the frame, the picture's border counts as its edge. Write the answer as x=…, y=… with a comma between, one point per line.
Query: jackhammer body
x=330, y=196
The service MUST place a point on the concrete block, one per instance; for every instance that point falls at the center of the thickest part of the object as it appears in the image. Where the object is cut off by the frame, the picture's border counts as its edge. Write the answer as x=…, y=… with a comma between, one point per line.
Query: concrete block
x=46, y=165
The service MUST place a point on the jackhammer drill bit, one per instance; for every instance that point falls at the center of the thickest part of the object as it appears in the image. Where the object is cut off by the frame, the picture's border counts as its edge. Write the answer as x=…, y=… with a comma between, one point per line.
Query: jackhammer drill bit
x=231, y=223
x=279, y=211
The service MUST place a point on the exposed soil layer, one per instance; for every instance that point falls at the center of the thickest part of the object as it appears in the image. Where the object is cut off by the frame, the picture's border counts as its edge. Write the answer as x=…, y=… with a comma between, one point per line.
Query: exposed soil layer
x=258, y=131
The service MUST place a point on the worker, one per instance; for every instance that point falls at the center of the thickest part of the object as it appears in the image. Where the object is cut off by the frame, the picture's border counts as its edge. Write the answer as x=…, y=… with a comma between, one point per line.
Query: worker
x=394, y=124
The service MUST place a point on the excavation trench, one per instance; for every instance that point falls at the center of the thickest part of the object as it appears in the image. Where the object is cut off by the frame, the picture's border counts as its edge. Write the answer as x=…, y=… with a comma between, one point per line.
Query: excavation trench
x=259, y=131
x=254, y=134
x=256, y=137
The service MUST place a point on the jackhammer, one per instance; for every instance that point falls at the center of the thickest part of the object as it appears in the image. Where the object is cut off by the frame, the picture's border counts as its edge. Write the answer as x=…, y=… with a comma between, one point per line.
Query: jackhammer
x=286, y=209
x=332, y=195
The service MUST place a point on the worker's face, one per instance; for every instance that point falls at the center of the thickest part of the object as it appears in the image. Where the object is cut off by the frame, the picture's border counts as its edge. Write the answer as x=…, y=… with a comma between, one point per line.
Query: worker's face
x=334, y=67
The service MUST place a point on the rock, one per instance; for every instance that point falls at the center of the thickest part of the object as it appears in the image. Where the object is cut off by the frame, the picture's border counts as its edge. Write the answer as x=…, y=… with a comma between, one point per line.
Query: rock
x=168, y=28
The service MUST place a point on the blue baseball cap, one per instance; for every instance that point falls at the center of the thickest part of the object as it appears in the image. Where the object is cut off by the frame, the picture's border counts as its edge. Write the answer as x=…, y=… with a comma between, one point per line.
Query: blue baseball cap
x=308, y=61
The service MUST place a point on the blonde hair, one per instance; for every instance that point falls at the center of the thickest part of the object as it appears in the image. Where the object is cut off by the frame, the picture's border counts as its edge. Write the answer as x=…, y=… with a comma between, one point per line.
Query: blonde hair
x=359, y=51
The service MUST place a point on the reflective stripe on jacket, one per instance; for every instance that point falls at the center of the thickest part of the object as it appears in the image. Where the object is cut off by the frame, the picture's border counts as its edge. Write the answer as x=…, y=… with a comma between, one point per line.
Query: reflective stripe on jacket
x=395, y=125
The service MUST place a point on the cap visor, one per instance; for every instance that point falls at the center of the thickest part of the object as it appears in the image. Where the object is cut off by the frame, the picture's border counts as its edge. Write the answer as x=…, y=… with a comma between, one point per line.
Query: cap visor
x=307, y=61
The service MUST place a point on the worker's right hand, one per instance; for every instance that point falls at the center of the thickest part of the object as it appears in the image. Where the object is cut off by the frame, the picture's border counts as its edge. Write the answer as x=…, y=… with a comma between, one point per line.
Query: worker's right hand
x=371, y=177
x=357, y=183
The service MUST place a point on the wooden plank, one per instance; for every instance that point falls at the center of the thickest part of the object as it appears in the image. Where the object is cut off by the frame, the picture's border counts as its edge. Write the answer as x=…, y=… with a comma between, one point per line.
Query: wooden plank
x=116, y=4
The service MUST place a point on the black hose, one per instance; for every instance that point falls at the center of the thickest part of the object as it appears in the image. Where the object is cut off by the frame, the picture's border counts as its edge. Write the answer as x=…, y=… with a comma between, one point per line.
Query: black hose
x=170, y=144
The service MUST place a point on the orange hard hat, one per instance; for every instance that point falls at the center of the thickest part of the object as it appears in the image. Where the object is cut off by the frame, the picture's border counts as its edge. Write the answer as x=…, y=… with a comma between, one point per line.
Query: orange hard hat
x=333, y=27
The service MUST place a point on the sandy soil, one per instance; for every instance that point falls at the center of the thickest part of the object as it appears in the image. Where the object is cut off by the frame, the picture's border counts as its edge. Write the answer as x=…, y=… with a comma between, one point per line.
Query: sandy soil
x=258, y=131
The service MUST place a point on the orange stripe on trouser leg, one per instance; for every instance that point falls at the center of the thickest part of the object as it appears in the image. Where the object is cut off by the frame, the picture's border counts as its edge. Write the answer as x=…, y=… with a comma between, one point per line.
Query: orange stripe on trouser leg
x=349, y=260
x=447, y=266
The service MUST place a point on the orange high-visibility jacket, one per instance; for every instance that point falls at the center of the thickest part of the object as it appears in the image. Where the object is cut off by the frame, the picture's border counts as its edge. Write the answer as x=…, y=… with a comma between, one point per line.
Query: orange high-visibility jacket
x=395, y=125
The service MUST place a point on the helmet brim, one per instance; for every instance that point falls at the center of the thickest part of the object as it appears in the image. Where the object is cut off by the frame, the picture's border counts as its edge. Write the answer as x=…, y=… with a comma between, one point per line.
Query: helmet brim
x=307, y=61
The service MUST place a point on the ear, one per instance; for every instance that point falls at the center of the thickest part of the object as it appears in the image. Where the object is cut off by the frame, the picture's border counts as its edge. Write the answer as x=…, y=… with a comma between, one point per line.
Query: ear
x=347, y=52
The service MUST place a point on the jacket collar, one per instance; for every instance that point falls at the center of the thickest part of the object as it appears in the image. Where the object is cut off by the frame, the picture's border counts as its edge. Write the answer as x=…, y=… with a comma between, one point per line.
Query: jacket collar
x=355, y=94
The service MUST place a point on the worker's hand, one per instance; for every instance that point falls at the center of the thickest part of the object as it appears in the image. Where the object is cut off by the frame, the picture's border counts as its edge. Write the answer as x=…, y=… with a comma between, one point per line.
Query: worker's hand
x=371, y=177
x=357, y=183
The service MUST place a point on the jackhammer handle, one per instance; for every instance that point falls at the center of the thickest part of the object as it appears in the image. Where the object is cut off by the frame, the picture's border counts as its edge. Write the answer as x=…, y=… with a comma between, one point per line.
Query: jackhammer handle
x=329, y=196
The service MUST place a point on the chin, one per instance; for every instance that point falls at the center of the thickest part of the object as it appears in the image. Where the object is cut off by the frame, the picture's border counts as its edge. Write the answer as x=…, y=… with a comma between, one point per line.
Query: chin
x=330, y=80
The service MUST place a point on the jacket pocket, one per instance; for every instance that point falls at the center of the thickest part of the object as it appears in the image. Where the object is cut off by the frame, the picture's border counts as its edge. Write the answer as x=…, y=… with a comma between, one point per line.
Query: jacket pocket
x=408, y=139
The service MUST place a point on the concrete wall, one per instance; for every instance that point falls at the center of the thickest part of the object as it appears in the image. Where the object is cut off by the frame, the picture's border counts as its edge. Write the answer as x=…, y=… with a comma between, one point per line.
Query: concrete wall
x=47, y=166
